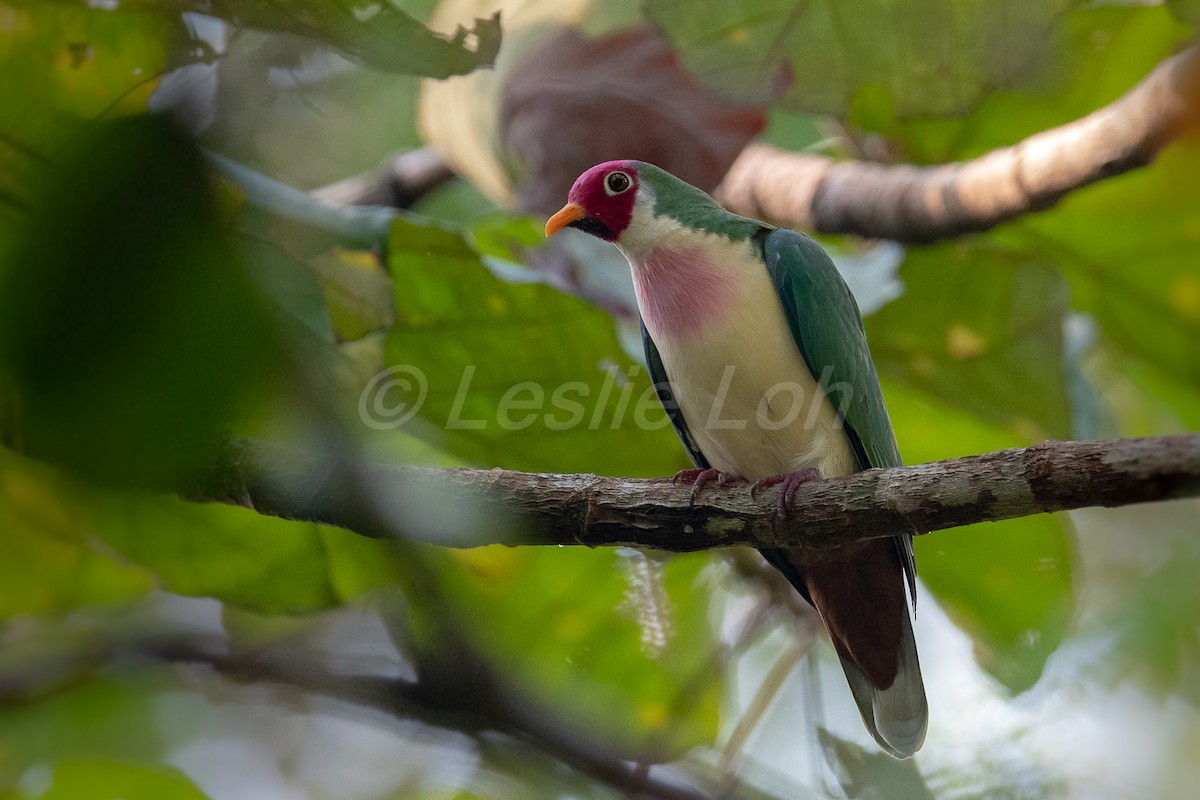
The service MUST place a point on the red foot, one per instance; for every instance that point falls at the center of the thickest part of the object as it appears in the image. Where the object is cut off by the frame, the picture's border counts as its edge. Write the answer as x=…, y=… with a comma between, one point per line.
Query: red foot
x=701, y=478
x=788, y=483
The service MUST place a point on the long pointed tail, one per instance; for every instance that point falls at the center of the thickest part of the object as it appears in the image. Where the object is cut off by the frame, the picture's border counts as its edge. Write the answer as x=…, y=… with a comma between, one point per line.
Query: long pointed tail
x=859, y=592
x=897, y=715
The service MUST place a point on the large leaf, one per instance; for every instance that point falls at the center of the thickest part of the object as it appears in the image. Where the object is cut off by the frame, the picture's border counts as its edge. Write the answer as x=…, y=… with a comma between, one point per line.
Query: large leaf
x=118, y=718
x=48, y=563
x=926, y=59
x=511, y=373
x=101, y=780
x=618, y=641
x=381, y=35
x=981, y=328
x=1100, y=52
x=1126, y=271
x=229, y=553
x=1157, y=626
x=1129, y=274
x=1186, y=10
x=65, y=546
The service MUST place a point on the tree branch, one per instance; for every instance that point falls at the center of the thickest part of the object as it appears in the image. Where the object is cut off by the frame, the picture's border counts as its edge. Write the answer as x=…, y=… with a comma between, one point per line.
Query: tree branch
x=405, y=180
x=544, y=509
x=923, y=204
x=463, y=695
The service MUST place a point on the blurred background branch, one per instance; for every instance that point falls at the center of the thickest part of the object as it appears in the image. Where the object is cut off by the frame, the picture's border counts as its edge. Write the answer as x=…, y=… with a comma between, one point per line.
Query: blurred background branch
x=407, y=178
x=457, y=691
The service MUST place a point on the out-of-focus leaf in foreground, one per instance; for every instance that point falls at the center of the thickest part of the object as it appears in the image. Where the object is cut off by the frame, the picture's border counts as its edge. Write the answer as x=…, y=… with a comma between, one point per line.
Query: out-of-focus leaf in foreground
x=47, y=561
x=130, y=329
x=66, y=546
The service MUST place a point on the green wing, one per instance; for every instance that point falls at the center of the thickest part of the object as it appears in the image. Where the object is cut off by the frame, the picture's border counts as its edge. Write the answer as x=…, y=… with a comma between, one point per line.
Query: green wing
x=828, y=330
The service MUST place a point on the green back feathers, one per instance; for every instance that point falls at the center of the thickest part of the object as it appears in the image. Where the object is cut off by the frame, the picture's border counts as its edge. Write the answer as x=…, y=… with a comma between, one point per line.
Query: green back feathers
x=692, y=207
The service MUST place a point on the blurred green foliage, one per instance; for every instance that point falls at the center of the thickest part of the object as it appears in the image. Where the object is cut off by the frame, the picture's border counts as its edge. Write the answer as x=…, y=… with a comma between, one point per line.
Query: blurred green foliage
x=937, y=58
x=155, y=296
x=73, y=780
x=102, y=338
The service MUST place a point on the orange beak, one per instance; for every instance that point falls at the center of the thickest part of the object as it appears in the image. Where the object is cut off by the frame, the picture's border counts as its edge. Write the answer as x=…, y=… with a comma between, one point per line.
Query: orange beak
x=566, y=215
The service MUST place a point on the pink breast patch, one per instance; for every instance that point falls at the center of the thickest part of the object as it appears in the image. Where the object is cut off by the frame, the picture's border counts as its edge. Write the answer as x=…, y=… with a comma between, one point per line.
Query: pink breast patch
x=682, y=291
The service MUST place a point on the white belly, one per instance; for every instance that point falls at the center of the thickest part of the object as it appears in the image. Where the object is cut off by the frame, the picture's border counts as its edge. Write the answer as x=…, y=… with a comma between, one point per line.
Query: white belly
x=750, y=402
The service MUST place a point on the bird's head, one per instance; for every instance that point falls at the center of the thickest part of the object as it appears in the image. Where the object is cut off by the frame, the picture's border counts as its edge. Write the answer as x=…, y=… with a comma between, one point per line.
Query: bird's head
x=601, y=202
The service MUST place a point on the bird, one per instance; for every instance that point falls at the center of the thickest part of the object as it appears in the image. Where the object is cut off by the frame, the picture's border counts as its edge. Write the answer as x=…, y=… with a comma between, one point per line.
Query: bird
x=757, y=352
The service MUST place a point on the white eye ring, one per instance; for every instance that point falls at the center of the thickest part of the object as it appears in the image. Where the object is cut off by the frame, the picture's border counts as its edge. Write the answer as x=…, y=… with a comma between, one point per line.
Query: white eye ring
x=617, y=182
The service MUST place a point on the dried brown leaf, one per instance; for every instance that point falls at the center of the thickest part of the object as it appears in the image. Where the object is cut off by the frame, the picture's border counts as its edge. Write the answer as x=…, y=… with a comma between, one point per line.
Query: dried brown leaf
x=575, y=101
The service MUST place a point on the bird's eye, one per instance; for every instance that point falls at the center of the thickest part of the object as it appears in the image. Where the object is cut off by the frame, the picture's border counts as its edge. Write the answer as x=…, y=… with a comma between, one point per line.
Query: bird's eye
x=617, y=182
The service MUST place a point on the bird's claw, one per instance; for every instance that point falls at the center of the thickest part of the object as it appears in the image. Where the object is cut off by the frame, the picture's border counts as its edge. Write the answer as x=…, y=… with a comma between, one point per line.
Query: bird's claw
x=700, y=478
x=788, y=483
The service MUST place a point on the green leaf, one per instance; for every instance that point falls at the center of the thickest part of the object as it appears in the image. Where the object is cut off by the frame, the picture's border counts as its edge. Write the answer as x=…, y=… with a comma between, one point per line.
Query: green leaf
x=1156, y=619
x=95, y=779
x=211, y=550
x=507, y=371
x=130, y=328
x=871, y=773
x=66, y=546
x=980, y=328
x=358, y=292
x=925, y=58
x=118, y=718
x=1129, y=274
x=1007, y=584
x=76, y=64
x=236, y=555
x=48, y=563
x=380, y=35
x=293, y=218
x=1186, y=11
x=618, y=641
x=1119, y=241
x=1098, y=53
